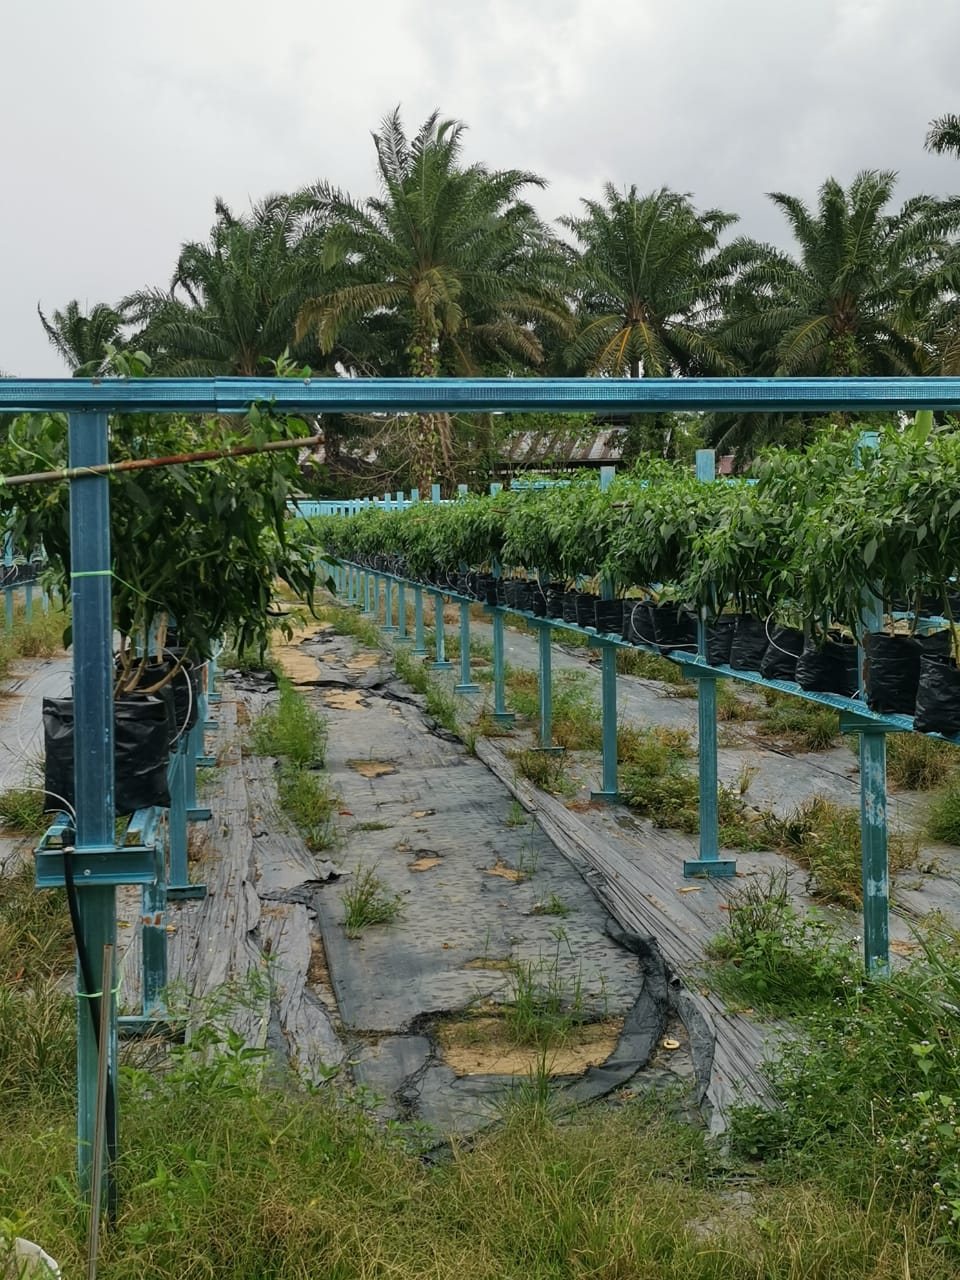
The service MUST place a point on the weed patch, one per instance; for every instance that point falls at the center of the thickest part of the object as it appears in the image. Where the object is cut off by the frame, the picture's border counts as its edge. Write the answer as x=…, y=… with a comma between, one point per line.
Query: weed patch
x=943, y=821
x=804, y=726
x=775, y=959
x=918, y=763
x=306, y=798
x=366, y=902
x=825, y=839
x=292, y=730
x=545, y=769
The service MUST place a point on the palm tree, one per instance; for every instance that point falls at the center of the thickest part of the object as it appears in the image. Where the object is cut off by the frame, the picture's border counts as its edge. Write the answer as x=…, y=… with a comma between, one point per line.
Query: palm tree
x=233, y=301
x=944, y=135
x=449, y=256
x=646, y=276
x=852, y=301
x=647, y=273
x=82, y=339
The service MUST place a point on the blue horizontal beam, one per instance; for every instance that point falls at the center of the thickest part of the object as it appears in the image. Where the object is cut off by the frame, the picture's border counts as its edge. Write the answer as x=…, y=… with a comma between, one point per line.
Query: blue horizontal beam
x=466, y=395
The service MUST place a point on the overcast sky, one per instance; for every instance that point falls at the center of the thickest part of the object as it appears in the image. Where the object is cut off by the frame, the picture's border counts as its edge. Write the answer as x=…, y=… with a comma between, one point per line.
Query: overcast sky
x=120, y=120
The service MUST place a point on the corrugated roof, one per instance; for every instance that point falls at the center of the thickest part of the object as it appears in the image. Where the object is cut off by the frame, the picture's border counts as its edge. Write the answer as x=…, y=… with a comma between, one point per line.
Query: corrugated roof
x=564, y=445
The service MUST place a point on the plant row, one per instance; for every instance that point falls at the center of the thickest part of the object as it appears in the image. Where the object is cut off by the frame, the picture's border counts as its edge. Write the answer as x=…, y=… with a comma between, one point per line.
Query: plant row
x=782, y=566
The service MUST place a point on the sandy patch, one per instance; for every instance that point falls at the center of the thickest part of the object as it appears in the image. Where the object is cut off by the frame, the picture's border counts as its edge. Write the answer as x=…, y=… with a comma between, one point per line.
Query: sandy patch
x=501, y=869
x=362, y=661
x=372, y=768
x=482, y=1046
x=425, y=863
x=343, y=700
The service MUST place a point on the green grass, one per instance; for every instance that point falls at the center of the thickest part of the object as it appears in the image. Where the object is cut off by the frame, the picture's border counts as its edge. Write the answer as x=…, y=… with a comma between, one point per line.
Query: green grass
x=825, y=839
x=773, y=958
x=801, y=725
x=943, y=820
x=552, y=906
x=228, y=1169
x=21, y=807
x=297, y=735
x=441, y=704
x=306, y=798
x=650, y=666
x=367, y=902
x=918, y=763
x=544, y=769
x=350, y=623
x=291, y=730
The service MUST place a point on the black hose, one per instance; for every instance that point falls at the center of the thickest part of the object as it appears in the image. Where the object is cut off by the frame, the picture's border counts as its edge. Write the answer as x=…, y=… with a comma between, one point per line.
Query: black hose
x=93, y=1004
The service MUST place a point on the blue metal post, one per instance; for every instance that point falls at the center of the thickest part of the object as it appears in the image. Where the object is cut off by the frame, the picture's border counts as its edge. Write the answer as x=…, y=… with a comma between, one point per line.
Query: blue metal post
x=403, y=636
x=7, y=590
x=440, y=662
x=545, y=640
x=466, y=685
x=500, y=713
x=608, y=688
x=366, y=592
x=388, y=604
x=28, y=602
x=93, y=771
x=419, y=649
x=709, y=863
x=875, y=867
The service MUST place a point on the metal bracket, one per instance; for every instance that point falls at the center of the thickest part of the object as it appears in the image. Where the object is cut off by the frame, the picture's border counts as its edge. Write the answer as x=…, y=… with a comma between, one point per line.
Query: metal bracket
x=717, y=868
x=128, y=865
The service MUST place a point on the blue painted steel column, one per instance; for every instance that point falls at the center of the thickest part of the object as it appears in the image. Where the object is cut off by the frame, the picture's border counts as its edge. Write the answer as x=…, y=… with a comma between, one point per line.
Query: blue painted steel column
x=500, y=713
x=7, y=590
x=440, y=662
x=419, y=649
x=28, y=602
x=545, y=640
x=876, y=874
x=709, y=863
x=375, y=608
x=608, y=688
x=366, y=592
x=875, y=867
x=388, y=604
x=403, y=636
x=466, y=685
x=93, y=771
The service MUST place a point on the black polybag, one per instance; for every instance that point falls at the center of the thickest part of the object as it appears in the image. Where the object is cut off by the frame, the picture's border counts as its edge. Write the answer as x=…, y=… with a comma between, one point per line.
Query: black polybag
x=830, y=667
x=938, y=697
x=140, y=736
x=892, y=668
x=720, y=640
x=673, y=627
x=749, y=643
x=609, y=617
x=780, y=660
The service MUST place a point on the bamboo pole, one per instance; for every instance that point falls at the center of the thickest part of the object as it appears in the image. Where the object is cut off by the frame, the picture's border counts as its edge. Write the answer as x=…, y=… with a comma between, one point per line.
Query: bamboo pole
x=143, y=464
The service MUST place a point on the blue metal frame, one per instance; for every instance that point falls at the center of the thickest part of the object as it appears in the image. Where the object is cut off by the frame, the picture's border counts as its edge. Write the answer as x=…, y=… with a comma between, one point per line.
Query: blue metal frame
x=87, y=401
x=476, y=395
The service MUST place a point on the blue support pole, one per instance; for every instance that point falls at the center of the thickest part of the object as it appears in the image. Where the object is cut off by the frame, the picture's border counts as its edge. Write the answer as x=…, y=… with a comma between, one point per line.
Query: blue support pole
x=500, y=713
x=419, y=649
x=366, y=593
x=545, y=641
x=709, y=863
x=8, y=591
x=608, y=688
x=875, y=864
x=874, y=859
x=388, y=624
x=93, y=779
x=28, y=602
x=403, y=636
x=466, y=685
x=440, y=662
